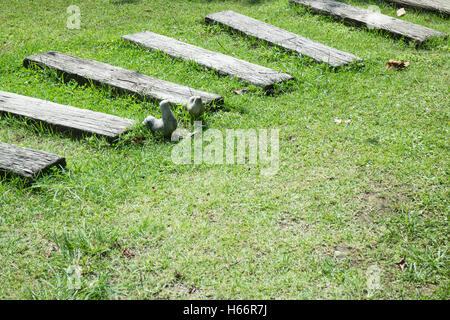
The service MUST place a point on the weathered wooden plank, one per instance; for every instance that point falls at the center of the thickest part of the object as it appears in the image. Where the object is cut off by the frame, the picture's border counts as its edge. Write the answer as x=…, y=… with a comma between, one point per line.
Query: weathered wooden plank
x=249, y=72
x=27, y=162
x=281, y=38
x=64, y=117
x=430, y=5
x=371, y=19
x=84, y=70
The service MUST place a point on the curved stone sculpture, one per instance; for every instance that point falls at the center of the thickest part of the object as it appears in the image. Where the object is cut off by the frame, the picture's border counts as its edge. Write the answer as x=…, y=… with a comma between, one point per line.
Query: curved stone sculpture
x=166, y=125
x=195, y=106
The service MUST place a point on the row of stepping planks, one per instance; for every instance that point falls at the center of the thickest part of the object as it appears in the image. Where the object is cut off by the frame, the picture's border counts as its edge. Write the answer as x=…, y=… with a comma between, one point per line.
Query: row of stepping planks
x=29, y=163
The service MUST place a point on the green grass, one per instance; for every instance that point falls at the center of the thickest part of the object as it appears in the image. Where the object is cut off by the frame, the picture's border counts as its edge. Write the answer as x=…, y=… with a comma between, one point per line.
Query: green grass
x=346, y=197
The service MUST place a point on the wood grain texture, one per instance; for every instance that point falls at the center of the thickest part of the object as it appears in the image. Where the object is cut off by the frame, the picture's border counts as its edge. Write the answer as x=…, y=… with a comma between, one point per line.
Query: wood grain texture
x=429, y=5
x=281, y=38
x=84, y=70
x=227, y=65
x=27, y=162
x=64, y=117
x=359, y=16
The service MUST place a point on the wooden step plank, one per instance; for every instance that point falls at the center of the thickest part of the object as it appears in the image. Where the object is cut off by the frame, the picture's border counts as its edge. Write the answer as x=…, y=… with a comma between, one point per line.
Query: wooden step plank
x=359, y=16
x=281, y=38
x=27, y=162
x=84, y=70
x=64, y=117
x=249, y=72
x=430, y=5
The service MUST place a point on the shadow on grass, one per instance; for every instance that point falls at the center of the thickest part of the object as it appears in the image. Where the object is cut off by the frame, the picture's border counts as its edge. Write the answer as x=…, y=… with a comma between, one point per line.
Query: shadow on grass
x=21, y=182
x=42, y=128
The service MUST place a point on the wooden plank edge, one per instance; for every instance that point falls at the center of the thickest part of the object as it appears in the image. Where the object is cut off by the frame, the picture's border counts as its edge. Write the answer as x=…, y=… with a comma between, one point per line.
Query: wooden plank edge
x=268, y=87
x=423, y=8
x=75, y=132
x=67, y=76
x=210, y=21
x=60, y=163
x=362, y=25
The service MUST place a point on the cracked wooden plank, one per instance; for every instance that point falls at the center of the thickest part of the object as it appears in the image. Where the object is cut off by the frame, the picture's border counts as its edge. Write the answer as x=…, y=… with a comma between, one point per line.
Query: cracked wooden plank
x=281, y=38
x=83, y=70
x=26, y=162
x=246, y=71
x=429, y=5
x=64, y=117
x=359, y=16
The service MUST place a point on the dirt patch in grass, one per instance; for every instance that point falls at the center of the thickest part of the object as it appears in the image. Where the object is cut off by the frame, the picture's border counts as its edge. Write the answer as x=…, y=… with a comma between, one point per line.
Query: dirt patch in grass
x=373, y=203
x=345, y=253
x=4, y=48
x=289, y=222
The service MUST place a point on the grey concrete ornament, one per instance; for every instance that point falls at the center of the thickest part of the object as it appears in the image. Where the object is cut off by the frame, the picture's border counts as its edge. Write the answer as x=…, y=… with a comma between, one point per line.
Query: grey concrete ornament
x=195, y=106
x=166, y=125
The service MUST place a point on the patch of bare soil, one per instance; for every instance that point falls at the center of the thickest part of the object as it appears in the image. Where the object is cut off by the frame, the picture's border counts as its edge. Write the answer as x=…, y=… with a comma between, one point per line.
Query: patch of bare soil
x=374, y=203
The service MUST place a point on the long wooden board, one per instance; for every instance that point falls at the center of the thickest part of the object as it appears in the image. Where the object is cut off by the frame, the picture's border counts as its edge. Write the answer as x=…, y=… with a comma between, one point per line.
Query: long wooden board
x=64, y=117
x=281, y=38
x=430, y=5
x=249, y=72
x=27, y=162
x=84, y=70
x=359, y=16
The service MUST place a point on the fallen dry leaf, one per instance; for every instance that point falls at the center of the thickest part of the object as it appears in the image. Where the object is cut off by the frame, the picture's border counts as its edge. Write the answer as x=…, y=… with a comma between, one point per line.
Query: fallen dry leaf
x=240, y=91
x=125, y=251
x=228, y=266
x=192, y=290
x=192, y=134
x=212, y=216
x=50, y=248
x=19, y=138
x=402, y=264
x=339, y=121
x=138, y=140
x=186, y=135
x=401, y=12
x=179, y=275
x=396, y=65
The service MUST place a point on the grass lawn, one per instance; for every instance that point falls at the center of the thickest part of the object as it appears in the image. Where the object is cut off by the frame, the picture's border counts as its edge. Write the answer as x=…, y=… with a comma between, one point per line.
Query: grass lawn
x=348, y=197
